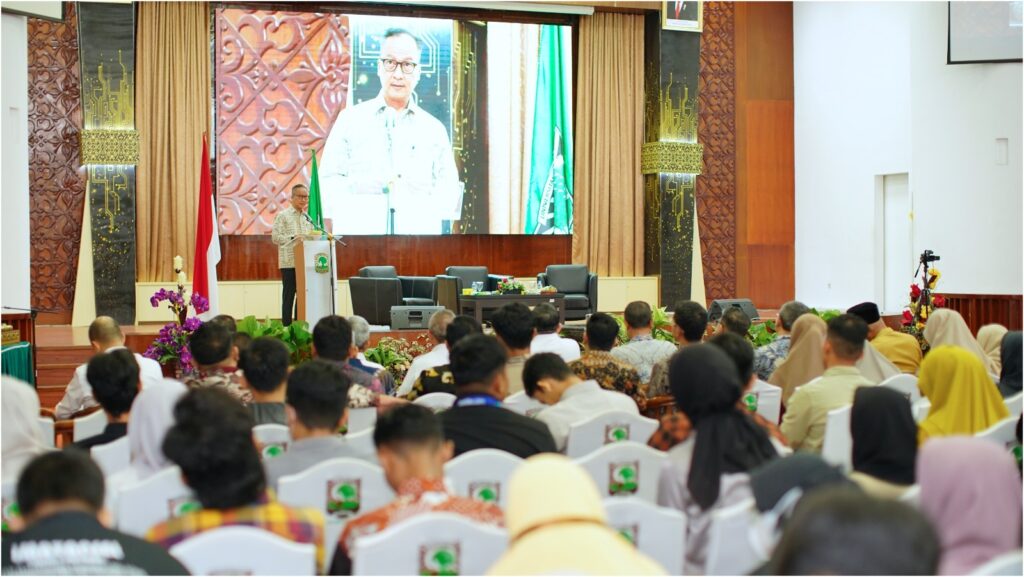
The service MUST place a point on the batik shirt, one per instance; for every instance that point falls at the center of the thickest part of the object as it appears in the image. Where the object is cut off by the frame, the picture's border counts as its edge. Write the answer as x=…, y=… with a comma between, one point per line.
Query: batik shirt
x=766, y=358
x=676, y=428
x=433, y=380
x=227, y=378
x=611, y=374
x=643, y=352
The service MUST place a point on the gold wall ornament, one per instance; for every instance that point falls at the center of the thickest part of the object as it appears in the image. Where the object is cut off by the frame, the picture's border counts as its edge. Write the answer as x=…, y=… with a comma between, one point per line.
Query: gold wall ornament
x=679, y=157
x=110, y=147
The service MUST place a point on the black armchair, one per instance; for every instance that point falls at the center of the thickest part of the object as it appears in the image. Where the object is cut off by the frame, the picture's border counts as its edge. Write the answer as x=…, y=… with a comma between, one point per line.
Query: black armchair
x=455, y=278
x=378, y=288
x=577, y=283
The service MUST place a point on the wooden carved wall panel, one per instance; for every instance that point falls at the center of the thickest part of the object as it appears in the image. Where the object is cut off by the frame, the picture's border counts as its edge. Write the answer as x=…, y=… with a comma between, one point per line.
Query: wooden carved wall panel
x=56, y=177
x=716, y=186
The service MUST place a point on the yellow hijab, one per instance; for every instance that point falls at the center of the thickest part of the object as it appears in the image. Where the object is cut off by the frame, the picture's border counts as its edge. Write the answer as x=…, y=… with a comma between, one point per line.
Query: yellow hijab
x=990, y=337
x=964, y=399
x=805, y=360
x=947, y=327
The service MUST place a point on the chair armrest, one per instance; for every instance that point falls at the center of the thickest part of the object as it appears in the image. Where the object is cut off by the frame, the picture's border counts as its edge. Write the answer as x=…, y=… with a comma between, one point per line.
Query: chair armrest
x=447, y=289
x=592, y=291
x=44, y=412
x=448, y=277
x=542, y=278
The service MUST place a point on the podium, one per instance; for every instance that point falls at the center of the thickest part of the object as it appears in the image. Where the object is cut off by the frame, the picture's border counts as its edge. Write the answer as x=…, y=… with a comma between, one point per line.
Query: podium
x=315, y=283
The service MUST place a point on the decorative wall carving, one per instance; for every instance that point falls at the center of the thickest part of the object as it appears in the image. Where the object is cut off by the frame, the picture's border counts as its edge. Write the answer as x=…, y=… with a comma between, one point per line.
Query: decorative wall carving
x=658, y=157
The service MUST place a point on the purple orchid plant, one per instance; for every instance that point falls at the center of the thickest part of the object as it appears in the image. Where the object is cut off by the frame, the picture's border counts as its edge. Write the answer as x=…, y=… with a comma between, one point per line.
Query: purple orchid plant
x=172, y=341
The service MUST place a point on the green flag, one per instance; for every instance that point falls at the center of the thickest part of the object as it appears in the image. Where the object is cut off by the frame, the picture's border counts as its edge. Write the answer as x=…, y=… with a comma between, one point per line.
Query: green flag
x=316, y=206
x=549, y=204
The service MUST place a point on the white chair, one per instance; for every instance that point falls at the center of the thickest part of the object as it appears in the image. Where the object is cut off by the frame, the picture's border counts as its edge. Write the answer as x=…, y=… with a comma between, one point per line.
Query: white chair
x=362, y=443
x=658, y=532
x=360, y=420
x=9, y=504
x=88, y=426
x=587, y=436
x=1011, y=563
x=342, y=489
x=1015, y=404
x=430, y=544
x=49, y=430
x=482, y=474
x=244, y=551
x=522, y=404
x=436, y=402
x=272, y=440
x=141, y=505
x=113, y=456
x=837, y=447
x=769, y=400
x=904, y=384
x=921, y=408
x=730, y=550
x=1004, y=433
x=626, y=469
x=912, y=496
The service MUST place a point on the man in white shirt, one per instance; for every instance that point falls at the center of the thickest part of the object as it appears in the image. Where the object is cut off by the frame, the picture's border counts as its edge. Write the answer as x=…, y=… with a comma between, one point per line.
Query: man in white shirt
x=104, y=335
x=546, y=378
x=437, y=356
x=546, y=339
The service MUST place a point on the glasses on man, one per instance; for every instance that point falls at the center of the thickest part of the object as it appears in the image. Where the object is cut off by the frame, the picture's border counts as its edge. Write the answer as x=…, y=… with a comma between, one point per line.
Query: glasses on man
x=390, y=64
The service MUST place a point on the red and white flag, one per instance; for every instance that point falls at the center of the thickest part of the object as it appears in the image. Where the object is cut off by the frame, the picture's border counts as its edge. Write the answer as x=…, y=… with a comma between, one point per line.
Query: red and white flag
x=204, y=277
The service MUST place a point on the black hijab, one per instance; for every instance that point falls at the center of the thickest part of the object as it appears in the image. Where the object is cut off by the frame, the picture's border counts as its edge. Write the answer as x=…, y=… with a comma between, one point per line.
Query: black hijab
x=1010, y=351
x=706, y=386
x=805, y=470
x=884, y=435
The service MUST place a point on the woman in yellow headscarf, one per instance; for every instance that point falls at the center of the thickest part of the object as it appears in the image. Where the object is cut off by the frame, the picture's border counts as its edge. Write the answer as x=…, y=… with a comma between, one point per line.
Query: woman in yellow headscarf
x=964, y=399
x=805, y=360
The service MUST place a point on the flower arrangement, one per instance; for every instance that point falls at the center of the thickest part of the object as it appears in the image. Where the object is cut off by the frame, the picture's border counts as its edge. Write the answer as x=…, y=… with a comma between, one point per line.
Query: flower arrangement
x=295, y=336
x=509, y=285
x=171, y=343
x=396, y=355
x=923, y=301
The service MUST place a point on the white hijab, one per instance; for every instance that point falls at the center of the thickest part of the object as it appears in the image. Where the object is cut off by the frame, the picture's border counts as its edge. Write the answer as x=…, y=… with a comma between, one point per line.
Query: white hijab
x=152, y=415
x=874, y=366
x=22, y=439
x=947, y=327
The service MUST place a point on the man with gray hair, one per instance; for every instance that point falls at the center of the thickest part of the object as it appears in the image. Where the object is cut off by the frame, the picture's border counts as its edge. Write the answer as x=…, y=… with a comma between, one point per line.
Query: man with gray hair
x=438, y=356
x=766, y=357
x=361, y=338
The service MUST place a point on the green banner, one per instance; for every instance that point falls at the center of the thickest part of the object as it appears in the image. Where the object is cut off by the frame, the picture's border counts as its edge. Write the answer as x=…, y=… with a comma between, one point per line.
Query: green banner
x=316, y=206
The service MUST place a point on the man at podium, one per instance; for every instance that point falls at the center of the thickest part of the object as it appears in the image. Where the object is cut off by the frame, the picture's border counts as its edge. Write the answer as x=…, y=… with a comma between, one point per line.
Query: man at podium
x=292, y=225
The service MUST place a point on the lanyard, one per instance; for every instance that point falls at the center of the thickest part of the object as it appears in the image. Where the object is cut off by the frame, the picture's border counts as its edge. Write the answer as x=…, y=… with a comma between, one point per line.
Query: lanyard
x=478, y=400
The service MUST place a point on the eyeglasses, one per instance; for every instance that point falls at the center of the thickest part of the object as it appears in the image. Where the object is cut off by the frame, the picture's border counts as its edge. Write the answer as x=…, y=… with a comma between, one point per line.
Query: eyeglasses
x=390, y=64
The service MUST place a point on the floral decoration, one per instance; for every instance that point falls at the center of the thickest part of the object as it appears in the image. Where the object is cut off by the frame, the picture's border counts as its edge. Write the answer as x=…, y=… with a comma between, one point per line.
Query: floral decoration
x=509, y=285
x=171, y=344
x=923, y=302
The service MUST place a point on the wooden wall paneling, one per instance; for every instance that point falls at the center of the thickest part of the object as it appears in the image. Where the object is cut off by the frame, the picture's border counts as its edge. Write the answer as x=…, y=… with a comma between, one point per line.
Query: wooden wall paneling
x=980, y=310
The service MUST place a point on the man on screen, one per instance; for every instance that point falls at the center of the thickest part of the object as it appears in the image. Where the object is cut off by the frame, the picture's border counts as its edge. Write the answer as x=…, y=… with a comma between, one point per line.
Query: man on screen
x=291, y=225
x=388, y=160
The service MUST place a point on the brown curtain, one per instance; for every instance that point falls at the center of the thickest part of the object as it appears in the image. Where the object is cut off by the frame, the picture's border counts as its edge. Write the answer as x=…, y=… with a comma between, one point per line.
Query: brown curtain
x=172, y=112
x=609, y=201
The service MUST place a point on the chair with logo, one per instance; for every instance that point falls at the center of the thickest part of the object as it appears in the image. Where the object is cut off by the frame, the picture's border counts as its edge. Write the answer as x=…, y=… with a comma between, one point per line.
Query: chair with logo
x=658, y=532
x=436, y=402
x=625, y=469
x=768, y=399
x=731, y=550
x=905, y=384
x=1003, y=433
x=611, y=427
x=362, y=443
x=9, y=494
x=362, y=419
x=837, y=448
x=482, y=474
x=272, y=440
x=430, y=544
x=113, y=456
x=141, y=505
x=921, y=408
x=522, y=404
x=244, y=551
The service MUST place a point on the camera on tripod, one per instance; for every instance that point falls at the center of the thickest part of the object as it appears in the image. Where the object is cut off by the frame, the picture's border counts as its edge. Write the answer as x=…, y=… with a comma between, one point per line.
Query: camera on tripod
x=929, y=256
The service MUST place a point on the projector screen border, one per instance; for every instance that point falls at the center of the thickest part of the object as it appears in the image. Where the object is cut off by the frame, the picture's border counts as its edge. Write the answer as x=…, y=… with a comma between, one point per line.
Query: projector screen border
x=949, y=45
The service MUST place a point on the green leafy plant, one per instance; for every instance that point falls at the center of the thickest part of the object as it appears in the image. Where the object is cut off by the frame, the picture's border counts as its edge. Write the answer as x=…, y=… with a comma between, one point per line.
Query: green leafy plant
x=761, y=334
x=659, y=318
x=396, y=355
x=296, y=336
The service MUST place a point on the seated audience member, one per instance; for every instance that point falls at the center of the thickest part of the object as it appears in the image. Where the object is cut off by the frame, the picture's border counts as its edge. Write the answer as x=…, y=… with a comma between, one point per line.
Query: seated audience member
x=970, y=490
x=734, y=321
x=557, y=526
x=546, y=339
x=884, y=442
x=21, y=436
x=477, y=420
x=964, y=400
x=439, y=379
x=229, y=323
x=60, y=496
x=332, y=342
x=874, y=367
x=264, y=370
x=513, y=325
x=316, y=407
x=570, y=399
x=689, y=323
x=947, y=327
x=361, y=339
x=599, y=365
x=412, y=450
x=840, y=531
x=807, y=410
x=643, y=351
x=104, y=335
x=901, y=349
x=1010, y=376
x=990, y=338
x=211, y=346
x=211, y=441
x=241, y=342
x=766, y=358
x=709, y=469
x=780, y=484
x=115, y=383
x=438, y=355
x=804, y=362
x=676, y=428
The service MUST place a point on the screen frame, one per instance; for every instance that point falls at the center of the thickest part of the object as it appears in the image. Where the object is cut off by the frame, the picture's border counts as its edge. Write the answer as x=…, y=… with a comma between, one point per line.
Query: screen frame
x=949, y=45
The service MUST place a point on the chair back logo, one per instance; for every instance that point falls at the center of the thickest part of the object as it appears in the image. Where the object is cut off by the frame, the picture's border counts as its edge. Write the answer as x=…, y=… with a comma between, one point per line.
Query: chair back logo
x=10, y=512
x=271, y=450
x=623, y=477
x=616, y=433
x=344, y=497
x=629, y=532
x=439, y=559
x=486, y=491
x=179, y=506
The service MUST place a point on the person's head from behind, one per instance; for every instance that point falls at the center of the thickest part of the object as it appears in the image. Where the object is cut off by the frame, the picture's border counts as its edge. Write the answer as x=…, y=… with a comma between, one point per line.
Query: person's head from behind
x=788, y=314
x=550, y=491
x=884, y=435
x=438, y=325
x=478, y=366
x=211, y=442
x=734, y=321
x=316, y=399
x=639, y=318
x=411, y=445
x=229, y=323
x=399, y=66
x=546, y=377
x=545, y=319
x=741, y=352
x=104, y=332
x=690, y=322
x=264, y=366
x=360, y=332
x=211, y=345
x=58, y=482
x=114, y=378
x=844, y=344
x=241, y=342
x=332, y=339
x=601, y=332
x=842, y=531
x=868, y=312
x=513, y=323
x=461, y=327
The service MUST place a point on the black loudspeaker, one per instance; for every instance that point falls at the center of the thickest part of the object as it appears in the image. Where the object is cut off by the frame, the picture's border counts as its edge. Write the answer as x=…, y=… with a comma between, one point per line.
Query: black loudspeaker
x=721, y=305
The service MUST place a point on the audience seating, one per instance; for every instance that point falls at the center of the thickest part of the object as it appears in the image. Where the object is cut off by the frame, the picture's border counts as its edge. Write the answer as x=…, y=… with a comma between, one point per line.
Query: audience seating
x=626, y=469
x=8, y=502
x=430, y=544
x=523, y=405
x=482, y=474
x=89, y=426
x=363, y=444
x=731, y=550
x=1011, y=563
x=244, y=551
x=113, y=456
x=378, y=288
x=436, y=402
x=587, y=436
x=1015, y=404
x=1004, y=433
x=769, y=400
x=837, y=447
x=660, y=406
x=905, y=384
x=271, y=439
x=912, y=496
x=658, y=532
x=921, y=408
x=577, y=283
x=48, y=427
x=360, y=420
x=141, y=505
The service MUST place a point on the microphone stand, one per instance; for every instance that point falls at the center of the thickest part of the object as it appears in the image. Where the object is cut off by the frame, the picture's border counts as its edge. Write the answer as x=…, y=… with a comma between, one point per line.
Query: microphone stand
x=334, y=272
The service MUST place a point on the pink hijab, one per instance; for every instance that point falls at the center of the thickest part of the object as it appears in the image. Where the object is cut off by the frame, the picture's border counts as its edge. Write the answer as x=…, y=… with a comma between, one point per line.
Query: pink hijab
x=971, y=491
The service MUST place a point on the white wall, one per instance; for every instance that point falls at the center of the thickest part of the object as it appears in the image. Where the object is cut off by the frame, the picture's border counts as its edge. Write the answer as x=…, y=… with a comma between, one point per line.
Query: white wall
x=15, y=279
x=873, y=96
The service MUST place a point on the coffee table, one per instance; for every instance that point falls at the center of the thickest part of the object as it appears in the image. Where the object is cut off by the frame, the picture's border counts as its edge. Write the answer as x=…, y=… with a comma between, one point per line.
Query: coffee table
x=477, y=304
